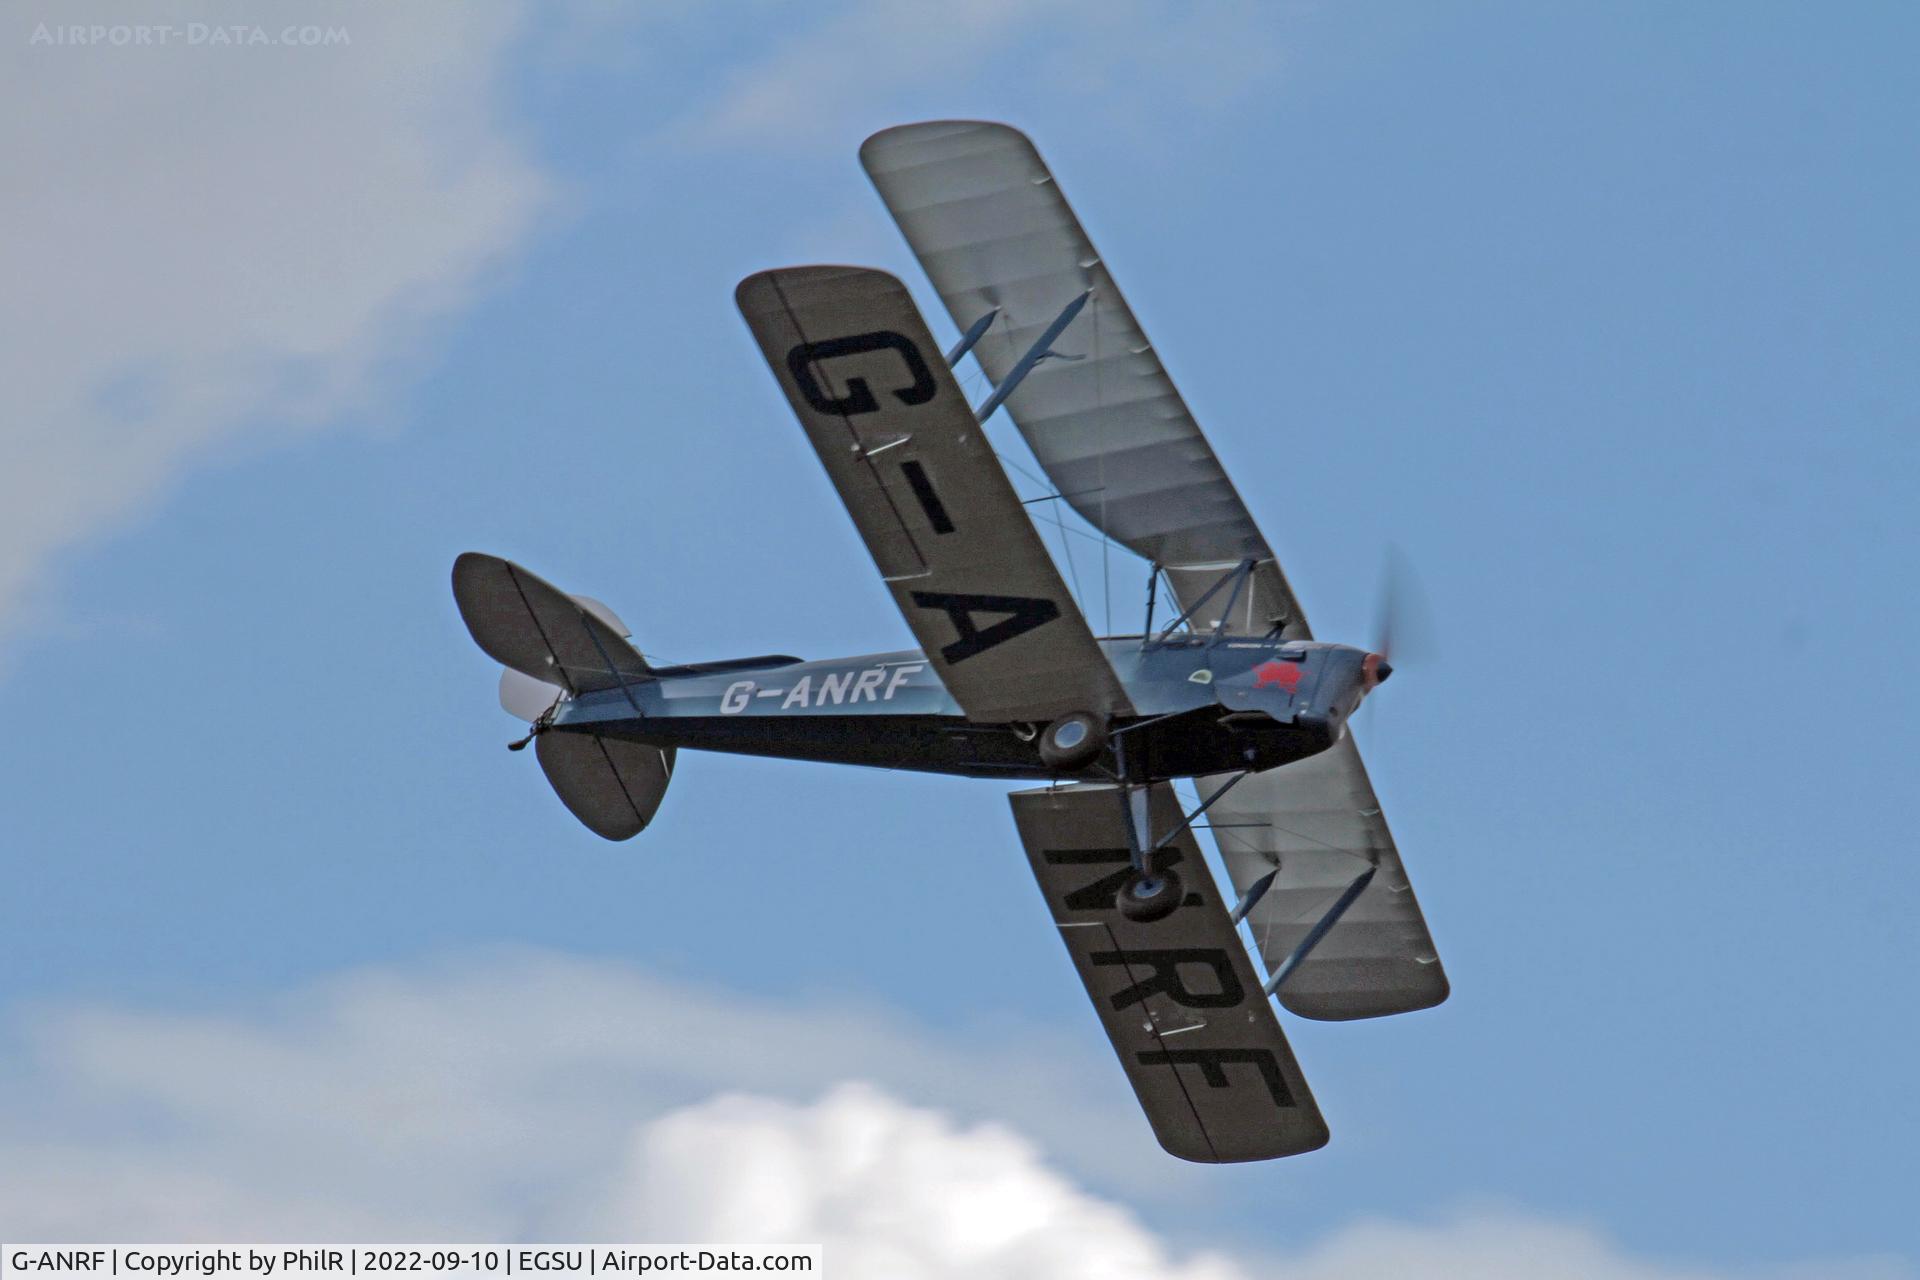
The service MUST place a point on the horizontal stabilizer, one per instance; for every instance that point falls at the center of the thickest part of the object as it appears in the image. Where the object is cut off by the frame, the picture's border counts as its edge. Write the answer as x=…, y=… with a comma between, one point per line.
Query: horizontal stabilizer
x=527, y=623
x=611, y=785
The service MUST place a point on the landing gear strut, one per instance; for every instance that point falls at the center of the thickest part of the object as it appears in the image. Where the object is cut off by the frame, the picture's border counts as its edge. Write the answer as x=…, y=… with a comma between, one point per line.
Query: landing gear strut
x=1150, y=893
x=1155, y=892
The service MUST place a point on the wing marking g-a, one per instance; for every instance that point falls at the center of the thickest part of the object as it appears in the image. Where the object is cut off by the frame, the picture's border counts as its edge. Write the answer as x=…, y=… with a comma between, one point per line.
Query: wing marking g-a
x=944, y=526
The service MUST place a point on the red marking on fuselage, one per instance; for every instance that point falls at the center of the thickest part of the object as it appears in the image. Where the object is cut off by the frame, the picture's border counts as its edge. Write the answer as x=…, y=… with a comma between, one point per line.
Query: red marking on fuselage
x=1273, y=671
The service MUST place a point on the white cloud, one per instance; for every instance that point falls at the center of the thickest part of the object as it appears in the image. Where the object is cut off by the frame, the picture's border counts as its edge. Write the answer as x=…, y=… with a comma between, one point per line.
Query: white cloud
x=493, y=1091
x=203, y=241
x=530, y=1096
x=890, y=1191
x=1125, y=60
x=902, y=1192
x=214, y=243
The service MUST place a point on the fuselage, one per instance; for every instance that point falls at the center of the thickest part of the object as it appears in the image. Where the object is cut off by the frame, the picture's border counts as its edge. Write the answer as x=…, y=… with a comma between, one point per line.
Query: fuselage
x=1201, y=705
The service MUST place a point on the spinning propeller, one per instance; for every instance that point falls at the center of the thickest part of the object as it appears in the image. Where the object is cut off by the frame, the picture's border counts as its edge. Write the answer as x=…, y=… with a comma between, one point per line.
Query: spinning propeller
x=1401, y=623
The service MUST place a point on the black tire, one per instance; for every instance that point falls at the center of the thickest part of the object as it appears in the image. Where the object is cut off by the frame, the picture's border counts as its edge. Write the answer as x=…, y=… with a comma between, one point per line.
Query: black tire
x=1073, y=742
x=1153, y=896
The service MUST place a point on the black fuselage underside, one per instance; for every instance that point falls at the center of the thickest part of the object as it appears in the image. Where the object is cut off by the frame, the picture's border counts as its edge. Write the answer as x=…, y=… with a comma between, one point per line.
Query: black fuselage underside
x=1187, y=745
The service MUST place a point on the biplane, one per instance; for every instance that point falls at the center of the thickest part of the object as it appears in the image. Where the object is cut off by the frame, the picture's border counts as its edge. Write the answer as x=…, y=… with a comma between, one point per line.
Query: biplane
x=1010, y=681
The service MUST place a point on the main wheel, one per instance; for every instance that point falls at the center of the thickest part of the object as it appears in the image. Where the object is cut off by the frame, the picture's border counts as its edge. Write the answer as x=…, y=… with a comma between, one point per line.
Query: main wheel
x=1073, y=742
x=1152, y=896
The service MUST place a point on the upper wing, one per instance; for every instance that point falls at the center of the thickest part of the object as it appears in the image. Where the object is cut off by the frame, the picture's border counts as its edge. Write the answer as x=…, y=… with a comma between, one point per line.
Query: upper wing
x=948, y=532
x=993, y=231
x=1318, y=823
x=1179, y=998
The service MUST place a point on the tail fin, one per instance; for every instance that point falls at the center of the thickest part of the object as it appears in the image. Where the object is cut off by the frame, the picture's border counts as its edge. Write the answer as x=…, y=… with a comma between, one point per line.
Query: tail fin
x=558, y=646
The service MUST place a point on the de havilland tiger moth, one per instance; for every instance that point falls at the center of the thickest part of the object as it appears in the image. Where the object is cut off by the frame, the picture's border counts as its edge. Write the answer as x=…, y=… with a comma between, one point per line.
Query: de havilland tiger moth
x=1010, y=682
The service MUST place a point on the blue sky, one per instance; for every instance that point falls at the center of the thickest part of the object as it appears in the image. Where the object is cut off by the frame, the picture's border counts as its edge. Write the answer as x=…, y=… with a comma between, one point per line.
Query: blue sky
x=1602, y=314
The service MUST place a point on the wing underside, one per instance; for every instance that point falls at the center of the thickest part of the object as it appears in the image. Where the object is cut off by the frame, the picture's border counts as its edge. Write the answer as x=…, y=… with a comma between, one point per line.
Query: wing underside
x=936, y=510
x=991, y=228
x=1178, y=997
x=1317, y=824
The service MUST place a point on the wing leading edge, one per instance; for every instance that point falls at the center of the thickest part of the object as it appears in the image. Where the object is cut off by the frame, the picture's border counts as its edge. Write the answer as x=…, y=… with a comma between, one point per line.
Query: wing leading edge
x=1178, y=997
x=942, y=521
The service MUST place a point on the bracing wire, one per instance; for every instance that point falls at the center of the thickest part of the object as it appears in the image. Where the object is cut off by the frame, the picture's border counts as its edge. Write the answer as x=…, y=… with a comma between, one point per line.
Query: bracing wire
x=1052, y=494
x=1066, y=548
